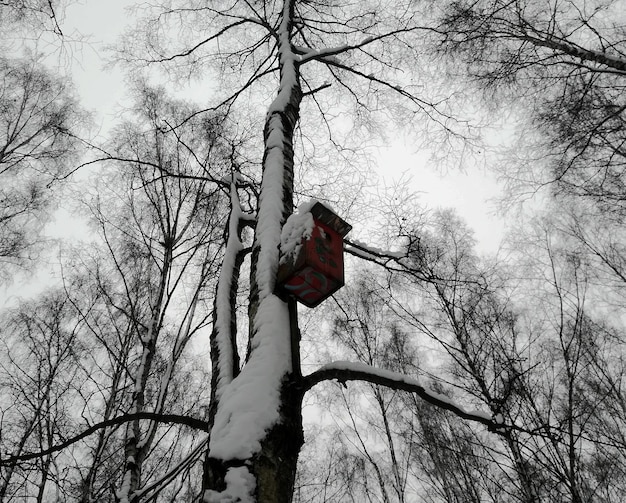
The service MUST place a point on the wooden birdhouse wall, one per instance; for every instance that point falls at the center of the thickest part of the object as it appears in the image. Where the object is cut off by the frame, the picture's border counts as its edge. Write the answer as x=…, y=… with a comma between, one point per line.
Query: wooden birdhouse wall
x=317, y=271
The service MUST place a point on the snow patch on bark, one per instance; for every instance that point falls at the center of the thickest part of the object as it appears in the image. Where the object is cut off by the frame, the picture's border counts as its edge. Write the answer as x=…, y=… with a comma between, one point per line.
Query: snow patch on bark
x=250, y=403
x=298, y=227
x=240, y=486
x=223, y=317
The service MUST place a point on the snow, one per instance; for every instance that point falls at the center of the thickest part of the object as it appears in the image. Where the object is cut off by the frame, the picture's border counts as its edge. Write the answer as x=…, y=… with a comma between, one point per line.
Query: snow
x=298, y=226
x=288, y=59
x=368, y=252
x=122, y=492
x=329, y=54
x=270, y=213
x=249, y=405
x=364, y=367
x=240, y=486
x=223, y=314
x=402, y=378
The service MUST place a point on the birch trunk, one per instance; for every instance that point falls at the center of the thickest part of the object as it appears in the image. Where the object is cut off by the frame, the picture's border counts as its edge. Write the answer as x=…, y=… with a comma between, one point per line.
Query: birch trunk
x=134, y=454
x=263, y=469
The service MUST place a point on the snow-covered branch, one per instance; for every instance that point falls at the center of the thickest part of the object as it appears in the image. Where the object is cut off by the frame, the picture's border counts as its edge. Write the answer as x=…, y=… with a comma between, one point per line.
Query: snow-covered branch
x=224, y=338
x=569, y=48
x=390, y=260
x=356, y=371
x=396, y=261
x=307, y=54
x=362, y=250
x=326, y=55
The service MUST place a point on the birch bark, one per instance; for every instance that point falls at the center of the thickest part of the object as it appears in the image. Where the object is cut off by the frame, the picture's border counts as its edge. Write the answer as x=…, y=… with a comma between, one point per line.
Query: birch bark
x=265, y=398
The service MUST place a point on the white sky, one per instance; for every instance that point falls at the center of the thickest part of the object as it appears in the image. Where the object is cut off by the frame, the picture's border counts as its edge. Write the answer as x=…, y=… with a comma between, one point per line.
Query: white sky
x=101, y=86
x=102, y=90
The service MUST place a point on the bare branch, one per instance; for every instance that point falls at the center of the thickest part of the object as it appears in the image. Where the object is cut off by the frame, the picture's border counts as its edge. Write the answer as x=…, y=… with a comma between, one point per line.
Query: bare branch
x=189, y=421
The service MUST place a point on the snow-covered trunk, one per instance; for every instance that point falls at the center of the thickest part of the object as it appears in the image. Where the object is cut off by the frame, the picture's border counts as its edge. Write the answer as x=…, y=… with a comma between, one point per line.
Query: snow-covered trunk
x=224, y=356
x=257, y=430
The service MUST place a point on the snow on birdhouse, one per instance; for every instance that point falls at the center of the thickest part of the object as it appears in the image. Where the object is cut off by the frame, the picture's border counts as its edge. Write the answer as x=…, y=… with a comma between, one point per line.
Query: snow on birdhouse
x=311, y=265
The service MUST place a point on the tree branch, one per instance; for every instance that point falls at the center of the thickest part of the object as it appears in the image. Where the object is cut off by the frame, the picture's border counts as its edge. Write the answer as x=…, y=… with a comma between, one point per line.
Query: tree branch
x=356, y=371
x=576, y=51
x=329, y=52
x=201, y=43
x=192, y=422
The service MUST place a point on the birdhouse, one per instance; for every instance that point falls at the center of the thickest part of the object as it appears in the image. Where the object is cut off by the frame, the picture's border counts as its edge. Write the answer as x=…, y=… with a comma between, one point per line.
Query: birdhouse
x=315, y=272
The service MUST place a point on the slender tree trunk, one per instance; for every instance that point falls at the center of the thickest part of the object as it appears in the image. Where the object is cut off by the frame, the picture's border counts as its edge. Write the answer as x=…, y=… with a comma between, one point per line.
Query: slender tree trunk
x=524, y=475
x=134, y=451
x=111, y=404
x=8, y=474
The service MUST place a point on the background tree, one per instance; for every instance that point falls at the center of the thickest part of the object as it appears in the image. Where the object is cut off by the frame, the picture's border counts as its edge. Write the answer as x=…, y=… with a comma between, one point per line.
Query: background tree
x=41, y=351
x=395, y=447
x=526, y=357
x=40, y=15
x=162, y=228
x=577, y=50
x=139, y=291
x=38, y=123
x=566, y=62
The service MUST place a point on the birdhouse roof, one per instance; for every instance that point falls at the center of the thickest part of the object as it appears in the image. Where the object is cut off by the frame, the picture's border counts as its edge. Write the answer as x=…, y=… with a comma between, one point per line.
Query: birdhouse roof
x=324, y=215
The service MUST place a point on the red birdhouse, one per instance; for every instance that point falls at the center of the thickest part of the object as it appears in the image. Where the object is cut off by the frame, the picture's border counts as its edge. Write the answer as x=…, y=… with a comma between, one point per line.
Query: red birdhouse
x=315, y=271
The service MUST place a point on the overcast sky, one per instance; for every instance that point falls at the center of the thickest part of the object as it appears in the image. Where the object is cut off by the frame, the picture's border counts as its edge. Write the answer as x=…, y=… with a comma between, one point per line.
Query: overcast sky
x=102, y=90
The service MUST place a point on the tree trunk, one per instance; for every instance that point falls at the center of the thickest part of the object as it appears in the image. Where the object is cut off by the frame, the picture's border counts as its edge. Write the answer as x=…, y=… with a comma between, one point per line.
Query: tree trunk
x=265, y=471
x=275, y=466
